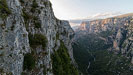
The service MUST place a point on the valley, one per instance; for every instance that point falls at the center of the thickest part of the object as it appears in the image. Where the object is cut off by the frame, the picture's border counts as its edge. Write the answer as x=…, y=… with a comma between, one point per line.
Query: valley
x=99, y=46
x=41, y=37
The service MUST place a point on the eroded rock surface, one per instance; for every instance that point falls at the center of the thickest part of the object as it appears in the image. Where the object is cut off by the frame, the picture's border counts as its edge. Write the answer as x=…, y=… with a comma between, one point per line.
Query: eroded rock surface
x=21, y=19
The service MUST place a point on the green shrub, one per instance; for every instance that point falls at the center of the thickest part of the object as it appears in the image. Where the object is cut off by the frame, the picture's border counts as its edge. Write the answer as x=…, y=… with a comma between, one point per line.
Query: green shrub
x=4, y=10
x=29, y=62
x=44, y=70
x=30, y=17
x=23, y=73
x=45, y=3
x=22, y=1
x=37, y=39
x=12, y=27
x=105, y=34
x=32, y=10
x=62, y=63
x=50, y=4
x=37, y=23
x=26, y=15
x=57, y=36
x=34, y=6
x=124, y=45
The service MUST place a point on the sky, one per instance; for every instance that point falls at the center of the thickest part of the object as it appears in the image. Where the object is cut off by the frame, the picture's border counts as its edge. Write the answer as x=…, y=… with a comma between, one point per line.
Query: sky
x=77, y=9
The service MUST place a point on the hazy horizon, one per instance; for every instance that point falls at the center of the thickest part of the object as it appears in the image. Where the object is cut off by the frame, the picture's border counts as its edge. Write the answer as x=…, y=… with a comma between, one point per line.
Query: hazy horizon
x=77, y=9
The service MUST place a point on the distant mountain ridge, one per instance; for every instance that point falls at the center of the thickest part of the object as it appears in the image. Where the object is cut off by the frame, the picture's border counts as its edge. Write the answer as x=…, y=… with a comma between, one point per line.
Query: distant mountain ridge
x=105, y=46
x=124, y=15
x=76, y=23
x=116, y=26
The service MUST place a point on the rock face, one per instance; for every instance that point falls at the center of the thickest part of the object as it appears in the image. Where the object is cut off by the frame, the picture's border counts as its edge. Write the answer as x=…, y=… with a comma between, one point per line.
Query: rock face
x=118, y=32
x=96, y=26
x=20, y=21
x=127, y=45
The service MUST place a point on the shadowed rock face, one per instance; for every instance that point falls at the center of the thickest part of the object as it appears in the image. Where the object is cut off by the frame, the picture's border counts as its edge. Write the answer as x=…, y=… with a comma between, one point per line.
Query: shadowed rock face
x=24, y=17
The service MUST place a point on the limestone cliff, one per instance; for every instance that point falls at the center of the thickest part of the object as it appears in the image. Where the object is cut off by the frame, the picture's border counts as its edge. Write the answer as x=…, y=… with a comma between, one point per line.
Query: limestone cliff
x=30, y=31
x=100, y=25
x=127, y=45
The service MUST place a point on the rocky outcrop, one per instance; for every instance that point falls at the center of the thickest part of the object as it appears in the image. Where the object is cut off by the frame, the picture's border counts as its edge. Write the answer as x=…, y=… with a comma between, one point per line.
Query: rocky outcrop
x=100, y=25
x=127, y=45
x=23, y=23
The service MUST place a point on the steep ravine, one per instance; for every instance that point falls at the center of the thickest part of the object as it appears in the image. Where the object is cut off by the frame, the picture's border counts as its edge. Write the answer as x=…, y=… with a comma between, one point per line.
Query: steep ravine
x=31, y=39
x=113, y=30
x=109, y=41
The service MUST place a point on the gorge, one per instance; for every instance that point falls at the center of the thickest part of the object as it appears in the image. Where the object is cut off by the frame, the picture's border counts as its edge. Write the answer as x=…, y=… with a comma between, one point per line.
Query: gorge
x=105, y=46
x=34, y=42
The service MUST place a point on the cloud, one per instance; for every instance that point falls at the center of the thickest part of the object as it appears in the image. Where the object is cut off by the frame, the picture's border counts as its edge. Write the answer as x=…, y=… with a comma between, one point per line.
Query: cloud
x=77, y=22
x=104, y=15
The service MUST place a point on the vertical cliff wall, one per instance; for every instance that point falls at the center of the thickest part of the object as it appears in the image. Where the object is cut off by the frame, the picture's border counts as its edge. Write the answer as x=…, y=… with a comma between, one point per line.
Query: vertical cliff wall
x=29, y=35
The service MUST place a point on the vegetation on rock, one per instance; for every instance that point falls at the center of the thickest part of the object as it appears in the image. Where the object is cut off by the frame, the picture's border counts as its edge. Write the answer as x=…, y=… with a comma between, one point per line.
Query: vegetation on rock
x=29, y=62
x=22, y=1
x=34, y=6
x=27, y=17
x=92, y=55
x=62, y=63
x=4, y=10
x=37, y=22
x=107, y=63
x=37, y=40
x=82, y=47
